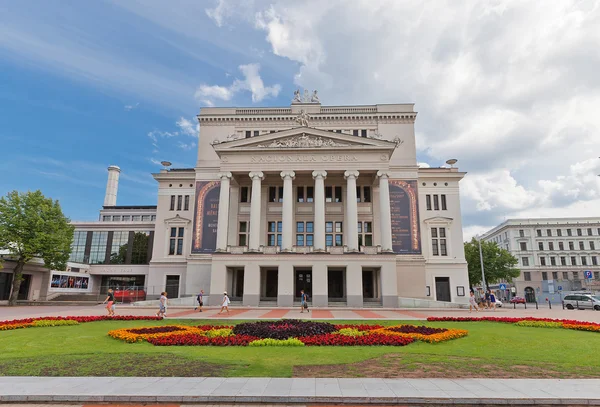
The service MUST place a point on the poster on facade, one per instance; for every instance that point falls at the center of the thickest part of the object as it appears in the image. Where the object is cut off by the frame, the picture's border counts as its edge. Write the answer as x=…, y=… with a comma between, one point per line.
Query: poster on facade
x=404, y=209
x=69, y=282
x=206, y=212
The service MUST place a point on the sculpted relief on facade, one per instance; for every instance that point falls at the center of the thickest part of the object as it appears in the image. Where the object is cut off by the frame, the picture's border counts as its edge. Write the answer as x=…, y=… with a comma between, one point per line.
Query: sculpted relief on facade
x=303, y=141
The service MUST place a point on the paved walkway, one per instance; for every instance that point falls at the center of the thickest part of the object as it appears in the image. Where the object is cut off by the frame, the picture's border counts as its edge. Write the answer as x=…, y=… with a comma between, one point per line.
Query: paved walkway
x=267, y=390
x=7, y=313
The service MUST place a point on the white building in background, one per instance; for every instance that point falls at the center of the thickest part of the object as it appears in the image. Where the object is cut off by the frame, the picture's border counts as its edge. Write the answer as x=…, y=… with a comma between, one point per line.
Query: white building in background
x=328, y=199
x=554, y=254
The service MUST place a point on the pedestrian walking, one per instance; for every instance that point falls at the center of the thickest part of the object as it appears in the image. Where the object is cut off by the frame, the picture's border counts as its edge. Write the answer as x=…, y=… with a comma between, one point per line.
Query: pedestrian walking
x=110, y=302
x=225, y=303
x=199, y=298
x=303, y=302
x=162, y=305
x=493, y=301
x=488, y=302
x=473, y=303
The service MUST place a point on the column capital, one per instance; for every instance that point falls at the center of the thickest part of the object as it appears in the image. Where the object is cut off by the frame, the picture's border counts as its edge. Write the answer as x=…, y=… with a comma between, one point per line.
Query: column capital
x=288, y=175
x=223, y=175
x=257, y=175
x=383, y=174
x=319, y=174
x=351, y=174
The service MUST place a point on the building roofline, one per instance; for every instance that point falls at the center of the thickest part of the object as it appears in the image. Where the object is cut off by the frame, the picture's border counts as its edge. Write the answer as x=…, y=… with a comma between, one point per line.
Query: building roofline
x=121, y=207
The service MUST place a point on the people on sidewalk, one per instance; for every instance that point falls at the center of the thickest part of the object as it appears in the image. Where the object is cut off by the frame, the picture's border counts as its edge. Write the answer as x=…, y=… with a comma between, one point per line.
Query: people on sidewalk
x=162, y=305
x=303, y=302
x=225, y=303
x=200, y=301
x=473, y=303
x=110, y=302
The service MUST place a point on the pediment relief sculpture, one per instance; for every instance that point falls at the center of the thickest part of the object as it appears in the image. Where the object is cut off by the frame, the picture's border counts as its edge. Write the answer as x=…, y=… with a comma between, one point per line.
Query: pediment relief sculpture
x=303, y=141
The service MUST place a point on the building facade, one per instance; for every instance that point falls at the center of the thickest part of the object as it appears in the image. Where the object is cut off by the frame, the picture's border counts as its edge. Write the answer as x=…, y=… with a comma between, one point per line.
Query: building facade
x=329, y=200
x=555, y=255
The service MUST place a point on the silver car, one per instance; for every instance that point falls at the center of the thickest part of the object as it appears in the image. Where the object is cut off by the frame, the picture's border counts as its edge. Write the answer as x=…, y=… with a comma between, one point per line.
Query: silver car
x=582, y=301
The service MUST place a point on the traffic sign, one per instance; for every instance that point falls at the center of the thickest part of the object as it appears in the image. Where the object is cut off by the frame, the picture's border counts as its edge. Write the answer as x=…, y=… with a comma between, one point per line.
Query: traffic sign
x=588, y=274
x=503, y=286
x=560, y=288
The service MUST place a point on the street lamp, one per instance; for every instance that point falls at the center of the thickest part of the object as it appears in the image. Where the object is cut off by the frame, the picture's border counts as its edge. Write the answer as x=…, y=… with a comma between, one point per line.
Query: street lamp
x=481, y=260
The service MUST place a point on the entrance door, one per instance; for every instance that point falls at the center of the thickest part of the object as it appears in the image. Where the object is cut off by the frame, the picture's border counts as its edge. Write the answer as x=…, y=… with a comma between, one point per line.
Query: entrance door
x=303, y=282
x=5, y=286
x=336, y=289
x=442, y=288
x=529, y=294
x=238, y=291
x=172, y=287
x=368, y=284
x=24, y=289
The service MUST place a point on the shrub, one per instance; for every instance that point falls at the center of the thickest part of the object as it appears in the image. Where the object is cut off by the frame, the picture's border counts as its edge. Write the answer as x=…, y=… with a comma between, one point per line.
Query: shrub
x=189, y=339
x=540, y=324
x=351, y=332
x=291, y=328
x=214, y=333
x=277, y=342
x=373, y=339
x=360, y=327
x=413, y=329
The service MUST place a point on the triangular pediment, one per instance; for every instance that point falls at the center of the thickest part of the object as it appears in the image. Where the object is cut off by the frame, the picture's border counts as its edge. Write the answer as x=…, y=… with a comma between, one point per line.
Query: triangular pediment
x=304, y=138
x=177, y=220
x=438, y=220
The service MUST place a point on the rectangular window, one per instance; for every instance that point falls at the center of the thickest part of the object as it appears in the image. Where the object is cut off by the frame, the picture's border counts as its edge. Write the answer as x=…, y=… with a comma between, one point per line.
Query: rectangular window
x=179, y=202
x=565, y=275
x=571, y=246
x=363, y=133
x=527, y=275
x=569, y=232
x=542, y=261
x=176, y=242
x=365, y=234
x=186, y=203
x=126, y=218
x=272, y=194
x=118, y=249
x=443, y=197
x=338, y=194
x=539, y=232
x=244, y=196
x=581, y=246
x=172, y=208
x=548, y=232
x=145, y=218
x=544, y=275
x=436, y=204
x=575, y=275
x=328, y=194
x=592, y=246
x=561, y=246
x=596, y=275
x=428, y=201
x=438, y=242
x=334, y=234
x=248, y=133
x=594, y=261
x=579, y=232
x=256, y=133
x=116, y=218
x=523, y=246
x=589, y=231
x=541, y=245
x=106, y=218
x=554, y=275
x=583, y=261
x=300, y=194
x=243, y=234
x=525, y=261
x=280, y=194
x=553, y=261
x=98, y=248
x=550, y=245
x=355, y=132
x=573, y=261
x=78, y=247
x=304, y=233
x=558, y=232
x=136, y=218
x=310, y=194
x=366, y=194
x=563, y=261
x=521, y=233
x=274, y=233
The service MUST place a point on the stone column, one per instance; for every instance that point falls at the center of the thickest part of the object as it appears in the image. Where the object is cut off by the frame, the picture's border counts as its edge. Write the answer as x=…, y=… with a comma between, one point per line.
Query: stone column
x=285, y=285
x=320, y=297
x=354, y=286
x=352, y=208
x=287, y=211
x=319, y=227
x=251, y=296
x=385, y=216
x=255, y=204
x=223, y=219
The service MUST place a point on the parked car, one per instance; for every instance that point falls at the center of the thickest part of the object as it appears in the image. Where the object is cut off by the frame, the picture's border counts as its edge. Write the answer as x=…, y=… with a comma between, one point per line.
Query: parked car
x=130, y=294
x=588, y=301
x=517, y=300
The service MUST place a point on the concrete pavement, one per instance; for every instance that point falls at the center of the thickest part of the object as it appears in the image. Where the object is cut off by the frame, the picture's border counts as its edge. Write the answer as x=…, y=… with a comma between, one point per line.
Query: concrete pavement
x=307, y=391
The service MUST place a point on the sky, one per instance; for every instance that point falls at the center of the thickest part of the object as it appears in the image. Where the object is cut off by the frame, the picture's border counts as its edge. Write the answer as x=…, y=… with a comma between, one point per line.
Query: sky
x=509, y=88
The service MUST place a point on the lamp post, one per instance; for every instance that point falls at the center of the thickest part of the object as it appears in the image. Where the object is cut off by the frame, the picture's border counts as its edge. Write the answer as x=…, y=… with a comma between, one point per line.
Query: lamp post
x=481, y=260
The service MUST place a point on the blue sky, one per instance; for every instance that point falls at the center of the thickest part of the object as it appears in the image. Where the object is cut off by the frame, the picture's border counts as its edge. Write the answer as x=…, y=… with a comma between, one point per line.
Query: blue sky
x=506, y=87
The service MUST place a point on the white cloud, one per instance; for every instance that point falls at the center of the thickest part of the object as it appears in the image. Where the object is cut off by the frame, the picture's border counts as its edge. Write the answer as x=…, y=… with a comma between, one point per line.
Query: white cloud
x=423, y=165
x=218, y=14
x=131, y=107
x=252, y=83
x=186, y=146
x=155, y=161
x=188, y=128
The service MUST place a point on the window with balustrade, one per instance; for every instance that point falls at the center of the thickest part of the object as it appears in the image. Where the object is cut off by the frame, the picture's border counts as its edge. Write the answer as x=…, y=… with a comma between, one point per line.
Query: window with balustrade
x=438, y=242
x=365, y=234
x=305, y=194
x=243, y=233
x=333, y=234
x=363, y=194
x=304, y=233
x=274, y=233
x=333, y=194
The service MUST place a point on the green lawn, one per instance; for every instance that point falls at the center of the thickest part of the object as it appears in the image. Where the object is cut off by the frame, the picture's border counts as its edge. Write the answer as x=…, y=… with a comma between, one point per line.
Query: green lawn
x=490, y=350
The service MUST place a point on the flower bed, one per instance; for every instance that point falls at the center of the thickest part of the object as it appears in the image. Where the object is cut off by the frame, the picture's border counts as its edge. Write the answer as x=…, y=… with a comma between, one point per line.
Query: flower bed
x=529, y=322
x=58, y=321
x=286, y=333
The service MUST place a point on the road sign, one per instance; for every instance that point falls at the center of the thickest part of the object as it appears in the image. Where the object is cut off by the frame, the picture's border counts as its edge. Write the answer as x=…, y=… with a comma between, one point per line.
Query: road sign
x=560, y=288
x=503, y=286
x=588, y=274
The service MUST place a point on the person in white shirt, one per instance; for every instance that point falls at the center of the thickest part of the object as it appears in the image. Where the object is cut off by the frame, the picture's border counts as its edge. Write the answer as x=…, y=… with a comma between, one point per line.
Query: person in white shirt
x=225, y=303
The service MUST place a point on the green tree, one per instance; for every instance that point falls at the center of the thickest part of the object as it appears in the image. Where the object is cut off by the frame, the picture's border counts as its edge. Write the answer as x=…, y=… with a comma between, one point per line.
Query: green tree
x=32, y=225
x=498, y=264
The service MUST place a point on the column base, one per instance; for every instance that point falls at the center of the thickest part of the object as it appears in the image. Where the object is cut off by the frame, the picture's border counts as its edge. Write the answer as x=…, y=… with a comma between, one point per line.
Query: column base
x=251, y=300
x=355, y=301
x=387, y=251
x=354, y=251
x=286, y=300
x=390, y=301
x=319, y=301
x=319, y=251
